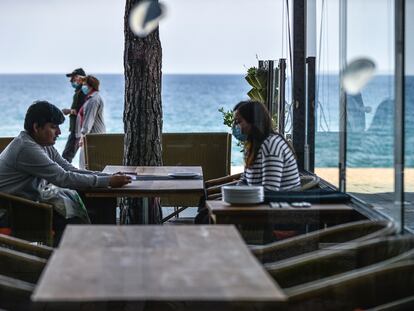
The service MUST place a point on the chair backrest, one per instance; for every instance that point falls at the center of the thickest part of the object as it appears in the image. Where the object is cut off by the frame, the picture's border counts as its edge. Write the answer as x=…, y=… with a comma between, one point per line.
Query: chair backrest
x=337, y=260
x=4, y=141
x=28, y=220
x=15, y=294
x=354, y=231
x=20, y=265
x=102, y=150
x=358, y=289
x=402, y=304
x=210, y=150
x=25, y=246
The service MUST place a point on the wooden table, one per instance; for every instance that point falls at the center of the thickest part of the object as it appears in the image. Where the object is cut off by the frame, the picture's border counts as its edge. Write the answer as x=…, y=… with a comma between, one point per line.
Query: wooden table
x=153, y=187
x=200, y=265
x=257, y=222
x=330, y=214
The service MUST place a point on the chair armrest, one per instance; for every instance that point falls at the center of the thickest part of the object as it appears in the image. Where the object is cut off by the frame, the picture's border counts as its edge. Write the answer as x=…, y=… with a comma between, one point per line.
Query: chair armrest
x=25, y=246
x=29, y=220
x=214, y=196
x=23, y=201
x=280, y=249
x=222, y=180
x=217, y=189
x=20, y=265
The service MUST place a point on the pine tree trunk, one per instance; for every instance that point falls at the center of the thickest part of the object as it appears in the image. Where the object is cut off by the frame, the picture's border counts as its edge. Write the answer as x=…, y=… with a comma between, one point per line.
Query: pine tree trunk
x=143, y=110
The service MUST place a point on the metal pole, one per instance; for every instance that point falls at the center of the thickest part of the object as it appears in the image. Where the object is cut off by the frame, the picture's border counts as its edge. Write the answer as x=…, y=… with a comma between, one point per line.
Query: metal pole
x=342, y=97
x=281, y=96
x=310, y=115
x=270, y=87
x=310, y=85
x=399, y=124
x=298, y=80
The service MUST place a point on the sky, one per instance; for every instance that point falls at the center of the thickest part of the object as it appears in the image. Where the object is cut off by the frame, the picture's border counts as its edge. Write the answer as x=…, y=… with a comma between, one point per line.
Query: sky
x=197, y=36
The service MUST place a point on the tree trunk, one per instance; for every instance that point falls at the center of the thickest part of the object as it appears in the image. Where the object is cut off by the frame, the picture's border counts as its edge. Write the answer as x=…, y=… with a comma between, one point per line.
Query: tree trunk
x=143, y=110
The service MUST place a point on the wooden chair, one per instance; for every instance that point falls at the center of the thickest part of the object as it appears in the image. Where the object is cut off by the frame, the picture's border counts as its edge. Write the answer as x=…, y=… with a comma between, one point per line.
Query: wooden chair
x=24, y=246
x=211, y=151
x=102, y=150
x=403, y=304
x=213, y=186
x=15, y=294
x=21, y=266
x=298, y=245
x=19, y=272
x=377, y=285
x=4, y=141
x=28, y=220
x=340, y=259
x=308, y=182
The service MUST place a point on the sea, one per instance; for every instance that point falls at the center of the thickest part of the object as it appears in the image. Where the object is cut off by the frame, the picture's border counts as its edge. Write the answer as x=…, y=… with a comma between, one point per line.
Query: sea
x=191, y=103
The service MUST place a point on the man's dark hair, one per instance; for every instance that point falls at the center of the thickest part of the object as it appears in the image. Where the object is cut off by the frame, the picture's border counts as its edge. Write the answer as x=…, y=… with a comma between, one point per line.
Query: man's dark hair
x=42, y=112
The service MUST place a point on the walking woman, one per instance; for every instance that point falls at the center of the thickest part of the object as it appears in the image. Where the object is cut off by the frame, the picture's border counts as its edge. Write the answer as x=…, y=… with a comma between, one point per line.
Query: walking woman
x=90, y=118
x=269, y=160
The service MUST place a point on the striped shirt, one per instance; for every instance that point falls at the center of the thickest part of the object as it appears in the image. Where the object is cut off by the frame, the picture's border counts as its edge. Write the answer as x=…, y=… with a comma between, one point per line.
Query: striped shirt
x=275, y=166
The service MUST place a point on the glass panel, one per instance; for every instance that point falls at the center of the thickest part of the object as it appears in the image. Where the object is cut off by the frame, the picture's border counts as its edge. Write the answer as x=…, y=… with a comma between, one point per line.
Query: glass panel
x=409, y=113
x=370, y=113
x=327, y=93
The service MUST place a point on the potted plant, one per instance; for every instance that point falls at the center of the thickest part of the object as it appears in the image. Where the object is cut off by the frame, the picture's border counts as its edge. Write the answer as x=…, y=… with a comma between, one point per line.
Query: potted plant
x=257, y=79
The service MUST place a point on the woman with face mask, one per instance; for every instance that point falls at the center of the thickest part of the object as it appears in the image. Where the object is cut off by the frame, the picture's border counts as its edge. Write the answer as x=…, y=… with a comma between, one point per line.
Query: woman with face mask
x=90, y=117
x=269, y=160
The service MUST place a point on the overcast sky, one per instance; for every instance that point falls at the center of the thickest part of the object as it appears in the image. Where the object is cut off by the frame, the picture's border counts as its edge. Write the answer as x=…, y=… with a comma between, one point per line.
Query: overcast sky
x=197, y=36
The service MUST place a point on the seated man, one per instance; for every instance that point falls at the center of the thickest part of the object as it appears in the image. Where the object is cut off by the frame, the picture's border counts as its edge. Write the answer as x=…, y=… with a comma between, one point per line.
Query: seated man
x=30, y=161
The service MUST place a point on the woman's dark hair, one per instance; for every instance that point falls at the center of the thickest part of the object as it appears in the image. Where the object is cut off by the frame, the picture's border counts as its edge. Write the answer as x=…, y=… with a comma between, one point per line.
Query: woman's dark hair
x=257, y=115
x=93, y=82
x=42, y=112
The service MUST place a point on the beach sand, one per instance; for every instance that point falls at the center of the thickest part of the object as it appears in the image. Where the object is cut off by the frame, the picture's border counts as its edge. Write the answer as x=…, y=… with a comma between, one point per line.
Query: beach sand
x=361, y=180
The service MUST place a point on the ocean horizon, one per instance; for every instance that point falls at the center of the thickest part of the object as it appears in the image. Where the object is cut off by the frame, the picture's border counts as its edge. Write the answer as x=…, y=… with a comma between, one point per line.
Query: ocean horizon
x=191, y=102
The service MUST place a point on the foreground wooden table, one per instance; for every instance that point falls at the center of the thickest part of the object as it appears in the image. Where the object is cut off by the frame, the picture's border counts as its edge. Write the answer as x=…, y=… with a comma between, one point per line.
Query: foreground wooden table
x=200, y=265
x=329, y=214
x=153, y=185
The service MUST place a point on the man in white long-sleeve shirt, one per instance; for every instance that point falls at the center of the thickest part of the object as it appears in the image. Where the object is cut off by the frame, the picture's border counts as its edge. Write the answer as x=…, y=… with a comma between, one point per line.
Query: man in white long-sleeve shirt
x=31, y=160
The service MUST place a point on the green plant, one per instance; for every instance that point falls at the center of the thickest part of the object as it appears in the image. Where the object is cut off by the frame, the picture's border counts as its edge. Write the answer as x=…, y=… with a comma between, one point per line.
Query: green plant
x=257, y=78
x=227, y=117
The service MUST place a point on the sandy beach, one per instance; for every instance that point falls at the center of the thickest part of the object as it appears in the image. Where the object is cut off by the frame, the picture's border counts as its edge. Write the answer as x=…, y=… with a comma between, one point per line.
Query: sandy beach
x=361, y=180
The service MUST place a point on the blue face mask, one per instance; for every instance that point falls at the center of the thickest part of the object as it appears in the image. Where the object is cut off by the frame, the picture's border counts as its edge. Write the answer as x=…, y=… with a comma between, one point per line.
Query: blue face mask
x=74, y=85
x=85, y=89
x=237, y=133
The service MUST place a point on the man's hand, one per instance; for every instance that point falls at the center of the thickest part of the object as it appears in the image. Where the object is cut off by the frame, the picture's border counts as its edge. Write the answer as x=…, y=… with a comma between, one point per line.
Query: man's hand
x=117, y=181
x=66, y=111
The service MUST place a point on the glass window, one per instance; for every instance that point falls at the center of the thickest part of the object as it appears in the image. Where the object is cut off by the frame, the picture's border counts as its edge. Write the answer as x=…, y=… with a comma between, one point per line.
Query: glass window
x=370, y=113
x=327, y=92
x=409, y=113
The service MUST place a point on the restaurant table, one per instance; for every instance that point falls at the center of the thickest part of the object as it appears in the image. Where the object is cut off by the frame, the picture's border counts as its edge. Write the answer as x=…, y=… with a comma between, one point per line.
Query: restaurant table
x=318, y=214
x=197, y=266
x=153, y=181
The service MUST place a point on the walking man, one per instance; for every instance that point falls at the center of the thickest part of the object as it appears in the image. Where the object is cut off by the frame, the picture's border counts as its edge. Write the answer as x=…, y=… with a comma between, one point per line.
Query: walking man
x=78, y=100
